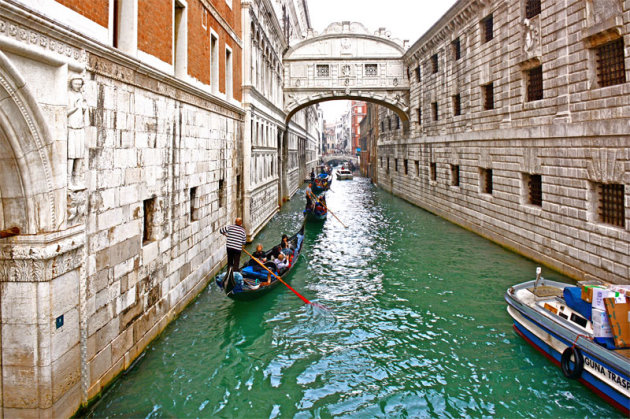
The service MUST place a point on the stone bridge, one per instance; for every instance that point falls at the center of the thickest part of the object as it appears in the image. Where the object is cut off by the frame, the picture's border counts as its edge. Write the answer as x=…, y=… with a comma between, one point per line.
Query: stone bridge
x=346, y=62
x=340, y=158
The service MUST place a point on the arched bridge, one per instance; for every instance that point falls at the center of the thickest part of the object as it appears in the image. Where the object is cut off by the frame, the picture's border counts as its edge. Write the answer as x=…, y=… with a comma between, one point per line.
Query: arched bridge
x=339, y=158
x=346, y=62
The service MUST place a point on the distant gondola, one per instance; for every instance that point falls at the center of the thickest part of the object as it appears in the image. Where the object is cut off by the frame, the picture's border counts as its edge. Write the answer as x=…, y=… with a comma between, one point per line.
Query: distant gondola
x=322, y=183
x=316, y=213
x=253, y=274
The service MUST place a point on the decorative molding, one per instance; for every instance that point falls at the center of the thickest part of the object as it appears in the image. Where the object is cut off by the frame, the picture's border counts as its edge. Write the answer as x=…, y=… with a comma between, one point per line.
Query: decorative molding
x=604, y=167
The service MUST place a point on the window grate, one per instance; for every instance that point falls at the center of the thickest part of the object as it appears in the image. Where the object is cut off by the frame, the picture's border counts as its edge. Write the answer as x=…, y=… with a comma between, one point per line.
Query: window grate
x=535, y=84
x=433, y=171
x=454, y=175
x=323, y=70
x=487, y=186
x=611, y=204
x=371, y=70
x=532, y=8
x=434, y=63
x=457, y=49
x=434, y=108
x=535, y=190
x=611, y=68
x=488, y=96
x=487, y=29
x=457, y=105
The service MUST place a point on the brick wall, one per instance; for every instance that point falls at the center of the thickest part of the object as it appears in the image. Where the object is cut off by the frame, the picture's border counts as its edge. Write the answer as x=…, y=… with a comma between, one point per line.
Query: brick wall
x=155, y=28
x=95, y=10
x=199, y=41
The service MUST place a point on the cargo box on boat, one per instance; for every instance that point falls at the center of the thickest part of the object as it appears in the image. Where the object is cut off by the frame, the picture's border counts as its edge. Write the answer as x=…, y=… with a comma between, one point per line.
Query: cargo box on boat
x=598, y=297
x=587, y=292
x=601, y=324
x=619, y=318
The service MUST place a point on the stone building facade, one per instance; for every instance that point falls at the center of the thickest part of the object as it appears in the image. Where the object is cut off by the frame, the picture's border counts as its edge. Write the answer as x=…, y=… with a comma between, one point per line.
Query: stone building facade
x=121, y=136
x=276, y=151
x=519, y=129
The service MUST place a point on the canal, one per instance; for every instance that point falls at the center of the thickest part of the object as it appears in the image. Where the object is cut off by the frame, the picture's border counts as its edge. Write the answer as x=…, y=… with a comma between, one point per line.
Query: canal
x=416, y=327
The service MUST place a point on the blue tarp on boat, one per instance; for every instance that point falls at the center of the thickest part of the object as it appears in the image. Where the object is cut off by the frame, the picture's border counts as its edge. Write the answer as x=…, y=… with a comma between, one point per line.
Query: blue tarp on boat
x=573, y=298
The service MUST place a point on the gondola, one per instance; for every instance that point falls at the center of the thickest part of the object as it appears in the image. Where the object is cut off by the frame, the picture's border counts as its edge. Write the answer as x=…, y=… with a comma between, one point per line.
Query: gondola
x=253, y=274
x=322, y=183
x=317, y=213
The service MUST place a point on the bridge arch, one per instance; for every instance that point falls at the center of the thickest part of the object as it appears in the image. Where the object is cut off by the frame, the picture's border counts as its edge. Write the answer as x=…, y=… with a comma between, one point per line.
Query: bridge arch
x=346, y=62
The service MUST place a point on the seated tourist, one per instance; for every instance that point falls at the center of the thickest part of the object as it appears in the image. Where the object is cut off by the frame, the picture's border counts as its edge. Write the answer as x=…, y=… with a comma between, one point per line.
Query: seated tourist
x=260, y=253
x=282, y=262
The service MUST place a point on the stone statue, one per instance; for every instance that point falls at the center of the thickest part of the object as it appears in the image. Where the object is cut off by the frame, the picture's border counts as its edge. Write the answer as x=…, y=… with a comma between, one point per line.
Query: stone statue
x=530, y=35
x=77, y=106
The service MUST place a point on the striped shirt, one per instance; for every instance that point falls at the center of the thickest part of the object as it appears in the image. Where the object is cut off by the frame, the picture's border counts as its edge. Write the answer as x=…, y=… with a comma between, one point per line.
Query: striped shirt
x=236, y=237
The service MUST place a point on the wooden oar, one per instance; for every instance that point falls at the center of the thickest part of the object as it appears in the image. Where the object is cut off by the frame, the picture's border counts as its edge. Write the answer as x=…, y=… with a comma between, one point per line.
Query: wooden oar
x=328, y=209
x=278, y=278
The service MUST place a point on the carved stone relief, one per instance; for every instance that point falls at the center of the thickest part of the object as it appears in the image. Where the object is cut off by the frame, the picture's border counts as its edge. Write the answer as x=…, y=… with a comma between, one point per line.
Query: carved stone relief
x=604, y=167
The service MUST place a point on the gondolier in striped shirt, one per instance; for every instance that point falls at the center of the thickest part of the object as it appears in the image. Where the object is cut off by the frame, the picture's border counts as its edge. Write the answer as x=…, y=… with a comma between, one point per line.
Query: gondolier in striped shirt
x=236, y=239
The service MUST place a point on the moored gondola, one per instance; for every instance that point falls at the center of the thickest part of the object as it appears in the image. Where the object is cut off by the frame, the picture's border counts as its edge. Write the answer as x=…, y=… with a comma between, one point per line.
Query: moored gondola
x=322, y=183
x=248, y=284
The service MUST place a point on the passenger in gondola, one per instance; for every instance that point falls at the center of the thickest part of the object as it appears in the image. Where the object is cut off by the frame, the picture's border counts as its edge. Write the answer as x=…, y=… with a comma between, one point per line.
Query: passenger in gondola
x=276, y=252
x=308, y=192
x=282, y=263
x=285, y=249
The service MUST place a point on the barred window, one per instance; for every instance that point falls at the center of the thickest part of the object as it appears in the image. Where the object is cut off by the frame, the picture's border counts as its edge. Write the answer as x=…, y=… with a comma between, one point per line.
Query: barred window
x=611, y=68
x=486, y=181
x=434, y=108
x=457, y=105
x=486, y=29
x=434, y=63
x=454, y=175
x=371, y=70
x=420, y=115
x=395, y=165
x=457, y=50
x=406, y=167
x=323, y=70
x=535, y=84
x=534, y=189
x=611, y=206
x=433, y=171
x=532, y=8
x=488, y=96
x=418, y=73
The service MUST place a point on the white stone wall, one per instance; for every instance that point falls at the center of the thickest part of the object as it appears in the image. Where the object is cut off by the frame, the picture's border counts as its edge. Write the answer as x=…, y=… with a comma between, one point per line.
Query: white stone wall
x=575, y=137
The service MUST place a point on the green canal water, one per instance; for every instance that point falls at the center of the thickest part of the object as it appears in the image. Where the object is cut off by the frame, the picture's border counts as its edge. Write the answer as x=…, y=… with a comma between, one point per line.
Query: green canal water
x=416, y=327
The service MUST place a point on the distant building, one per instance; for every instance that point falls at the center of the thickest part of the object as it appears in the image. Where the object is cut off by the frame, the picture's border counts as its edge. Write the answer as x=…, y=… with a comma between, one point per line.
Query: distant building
x=358, y=111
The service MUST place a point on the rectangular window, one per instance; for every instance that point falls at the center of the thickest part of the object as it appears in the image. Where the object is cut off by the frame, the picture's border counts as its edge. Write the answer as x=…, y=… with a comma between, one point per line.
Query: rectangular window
x=486, y=181
x=611, y=208
x=380, y=159
x=229, y=92
x=418, y=168
x=194, y=205
x=395, y=165
x=434, y=108
x=488, y=96
x=405, y=162
x=397, y=122
x=533, y=183
x=457, y=49
x=457, y=105
x=535, y=84
x=148, y=233
x=454, y=175
x=418, y=73
x=382, y=126
x=388, y=165
x=486, y=25
x=532, y=8
x=323, y=70
x=180, y=55
x=214, y=63
x=434, y=63
x=419, y=115
x=433, y=171
x=222, y=193
x=371, y=70
x=611, y=68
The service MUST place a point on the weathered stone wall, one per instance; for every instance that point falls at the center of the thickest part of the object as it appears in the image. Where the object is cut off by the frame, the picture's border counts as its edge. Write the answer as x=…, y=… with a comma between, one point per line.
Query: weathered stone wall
x=575, y=138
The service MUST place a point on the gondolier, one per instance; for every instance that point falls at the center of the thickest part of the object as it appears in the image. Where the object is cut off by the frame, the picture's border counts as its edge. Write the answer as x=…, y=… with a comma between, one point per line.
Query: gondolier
x=236, y=239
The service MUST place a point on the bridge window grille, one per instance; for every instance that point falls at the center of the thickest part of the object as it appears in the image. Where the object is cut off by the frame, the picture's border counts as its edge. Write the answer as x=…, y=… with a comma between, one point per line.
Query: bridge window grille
x=457, y=49
x=433, y=171
x=434, y=108
x=611, y=204
x=323, y=70
x=611, y=67
x=405, y=162
x=486, y=181
x=420, y=115
x=418, y=73
x=434, y=63
x=534, y=189
x=535, y=84
x=371, y=70
x=488, y=96
x=487, y=29
x=454, y=175
x=457, y=105
x=532, y=8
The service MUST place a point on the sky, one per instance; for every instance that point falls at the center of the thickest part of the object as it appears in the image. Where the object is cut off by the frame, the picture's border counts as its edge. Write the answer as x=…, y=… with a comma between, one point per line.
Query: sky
x=405, y=19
